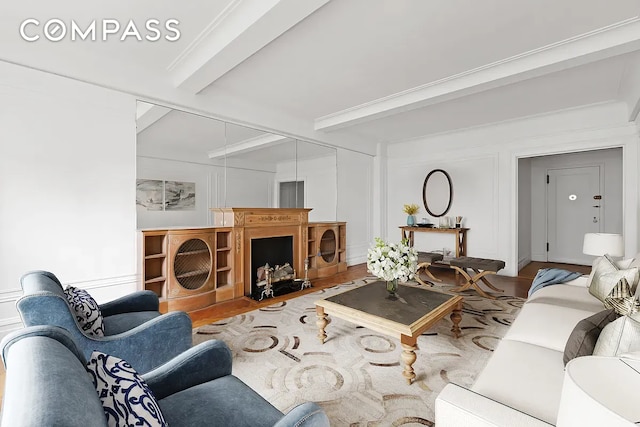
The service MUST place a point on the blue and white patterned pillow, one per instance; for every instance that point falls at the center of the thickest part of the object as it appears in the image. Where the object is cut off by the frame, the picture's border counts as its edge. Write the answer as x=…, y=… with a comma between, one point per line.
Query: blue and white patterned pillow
x=86, y=310
x=125, y=396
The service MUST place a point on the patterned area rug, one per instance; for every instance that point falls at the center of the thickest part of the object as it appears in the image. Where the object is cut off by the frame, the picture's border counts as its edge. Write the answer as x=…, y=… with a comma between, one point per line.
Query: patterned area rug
x=356, y=376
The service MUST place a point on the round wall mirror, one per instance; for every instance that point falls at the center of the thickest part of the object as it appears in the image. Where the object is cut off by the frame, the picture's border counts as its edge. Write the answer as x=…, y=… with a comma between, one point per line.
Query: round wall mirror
x=437, y=193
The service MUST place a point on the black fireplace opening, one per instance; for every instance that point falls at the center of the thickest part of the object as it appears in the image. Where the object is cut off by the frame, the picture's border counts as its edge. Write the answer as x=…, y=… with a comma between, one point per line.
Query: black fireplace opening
x=276, y=252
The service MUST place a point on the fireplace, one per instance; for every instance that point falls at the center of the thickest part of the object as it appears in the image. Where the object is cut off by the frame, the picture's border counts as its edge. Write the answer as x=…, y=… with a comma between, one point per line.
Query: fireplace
x=252, y=225
x=272, y=267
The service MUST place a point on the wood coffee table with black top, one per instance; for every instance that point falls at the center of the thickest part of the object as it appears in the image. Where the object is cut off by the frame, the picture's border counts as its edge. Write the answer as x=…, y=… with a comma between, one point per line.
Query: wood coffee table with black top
x=406, y=317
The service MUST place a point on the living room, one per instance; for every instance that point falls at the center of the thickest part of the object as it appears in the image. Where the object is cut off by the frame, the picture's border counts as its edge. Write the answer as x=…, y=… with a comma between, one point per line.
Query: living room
x=393, y=90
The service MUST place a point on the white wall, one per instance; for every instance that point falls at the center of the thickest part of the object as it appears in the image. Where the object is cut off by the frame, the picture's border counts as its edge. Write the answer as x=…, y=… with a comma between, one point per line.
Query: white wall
x=67, y=168
x=524, y=212
x=610, y=162
x=355, y=202
x=483, y=165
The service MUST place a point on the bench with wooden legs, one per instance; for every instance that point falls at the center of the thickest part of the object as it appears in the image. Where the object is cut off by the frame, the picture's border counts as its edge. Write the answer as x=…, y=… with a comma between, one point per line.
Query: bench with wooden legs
x=425, y=259
x=481, y=267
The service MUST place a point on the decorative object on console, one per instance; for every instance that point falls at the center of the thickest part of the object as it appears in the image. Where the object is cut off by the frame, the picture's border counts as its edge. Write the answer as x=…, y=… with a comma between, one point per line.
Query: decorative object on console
x=458, y=221
x=391, y=261
x=411, y=210
x=437, y=193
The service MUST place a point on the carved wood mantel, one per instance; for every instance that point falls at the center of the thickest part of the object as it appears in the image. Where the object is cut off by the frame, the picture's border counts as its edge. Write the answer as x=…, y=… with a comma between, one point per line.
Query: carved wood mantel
x=258, y=223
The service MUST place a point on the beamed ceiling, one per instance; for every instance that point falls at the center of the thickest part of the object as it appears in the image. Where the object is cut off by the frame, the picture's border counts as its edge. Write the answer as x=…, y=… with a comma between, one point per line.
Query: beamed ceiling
x=351, y=73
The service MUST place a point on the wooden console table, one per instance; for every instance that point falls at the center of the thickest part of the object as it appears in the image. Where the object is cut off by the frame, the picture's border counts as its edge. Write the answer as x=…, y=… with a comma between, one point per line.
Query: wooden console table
x=460, y=233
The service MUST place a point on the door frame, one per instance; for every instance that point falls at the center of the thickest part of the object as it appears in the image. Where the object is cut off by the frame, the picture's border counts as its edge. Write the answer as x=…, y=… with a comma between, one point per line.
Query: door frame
x=624, y=137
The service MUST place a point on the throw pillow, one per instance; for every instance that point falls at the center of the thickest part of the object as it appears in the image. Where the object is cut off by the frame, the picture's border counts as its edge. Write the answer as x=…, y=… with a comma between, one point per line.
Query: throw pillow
x=584, y=336
x=86, y=310
x=618, y=337
x=125, y=396
x=607, y=276
x=621, y=299
x=621, y=265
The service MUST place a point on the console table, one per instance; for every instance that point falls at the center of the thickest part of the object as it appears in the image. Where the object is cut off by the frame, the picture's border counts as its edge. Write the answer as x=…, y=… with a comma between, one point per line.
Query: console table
x=460, y=235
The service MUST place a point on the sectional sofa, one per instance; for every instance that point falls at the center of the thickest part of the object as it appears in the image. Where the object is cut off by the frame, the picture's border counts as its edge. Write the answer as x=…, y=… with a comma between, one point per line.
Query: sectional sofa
x=521, y=385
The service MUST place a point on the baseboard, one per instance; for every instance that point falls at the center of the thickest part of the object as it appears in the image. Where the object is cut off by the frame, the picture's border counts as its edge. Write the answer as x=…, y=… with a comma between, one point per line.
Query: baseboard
x=522, y=262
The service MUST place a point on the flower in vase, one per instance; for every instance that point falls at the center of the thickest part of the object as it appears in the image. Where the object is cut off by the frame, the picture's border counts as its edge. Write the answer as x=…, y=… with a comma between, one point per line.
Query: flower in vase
x=389, y=261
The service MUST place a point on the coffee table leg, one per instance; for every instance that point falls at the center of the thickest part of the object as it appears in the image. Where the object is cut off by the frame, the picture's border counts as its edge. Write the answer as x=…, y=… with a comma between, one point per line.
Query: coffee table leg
x=321, y=322
x=456, y=317
x=409, y=348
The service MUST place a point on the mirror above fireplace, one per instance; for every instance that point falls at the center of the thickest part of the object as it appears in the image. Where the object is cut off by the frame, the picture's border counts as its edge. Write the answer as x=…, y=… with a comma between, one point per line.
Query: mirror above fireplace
x=226, y=165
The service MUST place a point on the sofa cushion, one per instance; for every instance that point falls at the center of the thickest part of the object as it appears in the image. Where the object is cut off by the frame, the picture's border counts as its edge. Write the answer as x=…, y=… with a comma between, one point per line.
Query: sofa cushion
x=567, y=295
x=524, y=376
x=119, y=323
x=86, y=310
x=619, y=337
x=584, y=336
x=125, y=396
x=232, y=403
x=546, y=325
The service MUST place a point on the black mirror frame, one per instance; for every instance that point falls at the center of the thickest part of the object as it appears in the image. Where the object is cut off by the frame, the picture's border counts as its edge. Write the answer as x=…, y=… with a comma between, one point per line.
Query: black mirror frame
x=424, y=193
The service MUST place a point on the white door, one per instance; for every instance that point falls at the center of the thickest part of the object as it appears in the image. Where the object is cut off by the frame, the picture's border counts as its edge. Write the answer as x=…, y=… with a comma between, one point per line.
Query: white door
x=574, y=205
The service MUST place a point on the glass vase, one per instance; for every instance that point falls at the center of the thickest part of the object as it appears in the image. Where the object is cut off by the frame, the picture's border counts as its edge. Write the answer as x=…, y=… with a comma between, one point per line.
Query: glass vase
x=392, y=287
x=411, y=220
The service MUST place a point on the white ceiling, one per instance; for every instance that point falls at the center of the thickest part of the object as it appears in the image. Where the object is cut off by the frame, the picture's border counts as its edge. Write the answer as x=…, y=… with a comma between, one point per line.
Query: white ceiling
x=344, y=72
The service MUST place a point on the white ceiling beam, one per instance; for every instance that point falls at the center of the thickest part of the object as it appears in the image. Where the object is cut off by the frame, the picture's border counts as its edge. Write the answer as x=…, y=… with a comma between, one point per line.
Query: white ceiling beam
x=239, y=31
x=616, y=39
x=148, y=114
x=247, y=145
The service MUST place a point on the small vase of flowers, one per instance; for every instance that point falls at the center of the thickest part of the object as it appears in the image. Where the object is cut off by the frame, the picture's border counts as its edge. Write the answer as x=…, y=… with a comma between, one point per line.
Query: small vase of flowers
x=411, y=210
x=392, y=262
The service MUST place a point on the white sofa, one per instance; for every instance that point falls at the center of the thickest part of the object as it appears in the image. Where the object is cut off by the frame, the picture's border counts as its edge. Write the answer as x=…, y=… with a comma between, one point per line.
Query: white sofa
x=522, y=382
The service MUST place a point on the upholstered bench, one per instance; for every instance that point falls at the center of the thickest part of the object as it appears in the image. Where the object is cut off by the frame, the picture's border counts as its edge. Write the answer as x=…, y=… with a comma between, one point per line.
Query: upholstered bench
x=425, y=259
x=481, y=267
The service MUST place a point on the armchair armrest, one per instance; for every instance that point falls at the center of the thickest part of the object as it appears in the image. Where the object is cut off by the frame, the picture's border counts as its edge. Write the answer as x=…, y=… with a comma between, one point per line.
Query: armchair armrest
x=137, y=301
x=205, y=362
x=306, y=414
x=458, y=406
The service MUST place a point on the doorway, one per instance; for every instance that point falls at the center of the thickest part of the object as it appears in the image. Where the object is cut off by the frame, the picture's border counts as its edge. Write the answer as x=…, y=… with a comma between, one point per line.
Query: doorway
x=551, y=227
x=291, y=194
x=573, y=209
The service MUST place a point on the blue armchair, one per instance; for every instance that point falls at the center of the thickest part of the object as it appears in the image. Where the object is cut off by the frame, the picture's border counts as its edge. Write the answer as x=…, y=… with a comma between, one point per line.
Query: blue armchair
x=47, y=385
x=134, y=329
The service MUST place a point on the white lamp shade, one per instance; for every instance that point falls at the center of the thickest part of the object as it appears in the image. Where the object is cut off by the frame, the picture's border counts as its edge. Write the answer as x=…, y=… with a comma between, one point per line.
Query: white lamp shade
x=599, y=244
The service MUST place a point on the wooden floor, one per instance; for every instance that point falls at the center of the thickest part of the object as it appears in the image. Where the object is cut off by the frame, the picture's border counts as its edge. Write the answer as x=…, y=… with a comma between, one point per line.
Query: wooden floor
x=516, y=286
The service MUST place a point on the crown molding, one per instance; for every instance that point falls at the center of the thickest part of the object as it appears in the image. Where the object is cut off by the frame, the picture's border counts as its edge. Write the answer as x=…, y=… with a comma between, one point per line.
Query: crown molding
x=612, y=40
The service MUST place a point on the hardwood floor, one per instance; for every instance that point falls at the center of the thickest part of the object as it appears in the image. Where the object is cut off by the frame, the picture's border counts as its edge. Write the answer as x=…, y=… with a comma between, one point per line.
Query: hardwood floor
x=516, y=286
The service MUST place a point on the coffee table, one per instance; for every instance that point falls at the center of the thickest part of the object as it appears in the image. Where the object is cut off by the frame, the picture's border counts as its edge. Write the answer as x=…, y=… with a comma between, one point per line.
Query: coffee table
x=413, y=311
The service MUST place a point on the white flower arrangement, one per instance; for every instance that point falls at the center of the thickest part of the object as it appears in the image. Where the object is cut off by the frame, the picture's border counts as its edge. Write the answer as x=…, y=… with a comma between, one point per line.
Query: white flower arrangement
x=389, y=261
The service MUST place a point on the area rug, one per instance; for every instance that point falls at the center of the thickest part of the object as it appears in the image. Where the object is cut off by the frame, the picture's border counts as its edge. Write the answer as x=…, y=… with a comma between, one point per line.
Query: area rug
x=356, y=375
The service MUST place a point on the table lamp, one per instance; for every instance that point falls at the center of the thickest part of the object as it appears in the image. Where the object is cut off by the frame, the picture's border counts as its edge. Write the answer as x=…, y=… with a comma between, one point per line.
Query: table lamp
x=599, y=244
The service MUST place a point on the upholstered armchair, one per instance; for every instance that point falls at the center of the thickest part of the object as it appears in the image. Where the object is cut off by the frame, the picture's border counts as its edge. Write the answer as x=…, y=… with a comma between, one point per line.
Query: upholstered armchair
x=133, y=328
x=47, y=385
